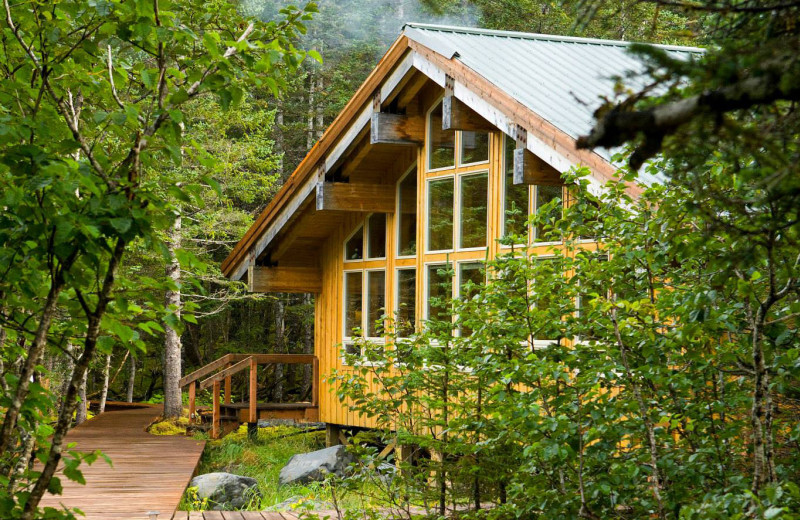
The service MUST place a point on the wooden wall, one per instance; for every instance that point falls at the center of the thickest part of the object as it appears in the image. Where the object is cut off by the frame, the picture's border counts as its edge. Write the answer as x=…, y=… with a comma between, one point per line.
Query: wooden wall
x=329, y=304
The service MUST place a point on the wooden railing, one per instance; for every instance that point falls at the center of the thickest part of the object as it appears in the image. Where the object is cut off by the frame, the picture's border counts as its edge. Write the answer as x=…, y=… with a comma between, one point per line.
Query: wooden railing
x=219, y=372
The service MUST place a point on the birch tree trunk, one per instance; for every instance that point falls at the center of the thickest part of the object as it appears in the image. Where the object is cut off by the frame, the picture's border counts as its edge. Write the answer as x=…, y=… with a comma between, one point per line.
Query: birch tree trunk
x=172, y=340
x=131, y=379
x=312, y=99
x=82, y=413
x=104, y=391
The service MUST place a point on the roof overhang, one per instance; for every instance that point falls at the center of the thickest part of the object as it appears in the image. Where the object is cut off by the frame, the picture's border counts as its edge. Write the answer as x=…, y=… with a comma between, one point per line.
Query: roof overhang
x=408, y=54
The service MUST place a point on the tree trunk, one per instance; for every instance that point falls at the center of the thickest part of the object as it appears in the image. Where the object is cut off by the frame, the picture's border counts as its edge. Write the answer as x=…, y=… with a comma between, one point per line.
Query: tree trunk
x=82, y=413
x=172, y=340
x=280, y=330
x=131, y=379
x=312, y=107
x=104, y=391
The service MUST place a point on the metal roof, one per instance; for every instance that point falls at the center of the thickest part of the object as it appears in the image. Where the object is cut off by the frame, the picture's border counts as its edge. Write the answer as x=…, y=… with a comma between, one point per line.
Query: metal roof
x=560, y=78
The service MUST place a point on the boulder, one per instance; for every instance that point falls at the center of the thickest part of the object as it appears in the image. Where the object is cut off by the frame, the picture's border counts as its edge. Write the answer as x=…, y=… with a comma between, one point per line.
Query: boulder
x=314, y=466
x=226, y=491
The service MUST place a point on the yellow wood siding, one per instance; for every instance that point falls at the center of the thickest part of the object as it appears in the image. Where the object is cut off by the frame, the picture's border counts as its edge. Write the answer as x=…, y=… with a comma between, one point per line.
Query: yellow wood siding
x=329, y=304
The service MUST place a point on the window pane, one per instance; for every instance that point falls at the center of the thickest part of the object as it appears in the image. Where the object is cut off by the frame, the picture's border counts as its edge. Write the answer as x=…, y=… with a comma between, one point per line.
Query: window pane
x=516, y=203
x=441, y=143
x=407, y=220
x=376, y=298
x=354, y=249
x=473, y=210
x=406, y=301
x=376, y=243
x=440, y=214
x=474, y=147
x=353, y=303
x=439, y=293
x=545, y=194
x=470, y=280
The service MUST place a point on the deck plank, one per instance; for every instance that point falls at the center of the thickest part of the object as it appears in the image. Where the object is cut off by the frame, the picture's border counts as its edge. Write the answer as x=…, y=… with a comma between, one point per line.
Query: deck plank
x=149, y=472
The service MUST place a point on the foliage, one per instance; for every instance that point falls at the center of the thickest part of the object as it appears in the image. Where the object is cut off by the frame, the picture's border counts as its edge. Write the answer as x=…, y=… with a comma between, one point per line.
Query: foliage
x=610, y=379
x=93, y=98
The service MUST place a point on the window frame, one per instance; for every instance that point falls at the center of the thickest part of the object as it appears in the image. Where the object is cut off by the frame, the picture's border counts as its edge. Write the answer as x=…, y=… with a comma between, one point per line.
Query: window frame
x=428, y=182
x=539, y=344
x=458, y=207
x=361, y=226
x=412, y=170
x=457, y=282
x=396, y=302
x=368, y=258
x=350, y=340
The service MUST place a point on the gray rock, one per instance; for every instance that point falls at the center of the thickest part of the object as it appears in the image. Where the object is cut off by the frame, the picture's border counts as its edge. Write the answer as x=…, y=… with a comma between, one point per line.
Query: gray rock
x=314, y=466
x=226, y=491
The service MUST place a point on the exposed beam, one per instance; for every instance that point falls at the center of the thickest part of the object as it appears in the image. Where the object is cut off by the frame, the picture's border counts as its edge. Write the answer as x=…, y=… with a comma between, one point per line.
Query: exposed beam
x=456, y=115
x=396, y=129
x=344, y=196
x=530, y=169
x=284, y=279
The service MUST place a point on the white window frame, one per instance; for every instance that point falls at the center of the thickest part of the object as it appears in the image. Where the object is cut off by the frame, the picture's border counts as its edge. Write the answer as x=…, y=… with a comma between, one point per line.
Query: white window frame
x=428, y=182
x=397, y=293
x=457, y=211
x=426, y=286
x=412, y=170
x=457, y=281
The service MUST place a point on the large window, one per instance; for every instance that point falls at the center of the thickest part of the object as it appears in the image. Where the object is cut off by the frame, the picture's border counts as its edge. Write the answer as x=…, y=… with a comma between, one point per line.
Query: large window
x=406, y=301
x=545, y=195
x=407, y=215
x=441, y=143
x=364, y=306
x=440, y=214
x=373, y=241
x=472, y=207
x=438, y=292
x=473, y=210
x=471, y=276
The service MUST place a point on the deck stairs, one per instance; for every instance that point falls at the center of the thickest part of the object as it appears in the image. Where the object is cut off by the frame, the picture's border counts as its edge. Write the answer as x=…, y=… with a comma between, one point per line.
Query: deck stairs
x=226, y=415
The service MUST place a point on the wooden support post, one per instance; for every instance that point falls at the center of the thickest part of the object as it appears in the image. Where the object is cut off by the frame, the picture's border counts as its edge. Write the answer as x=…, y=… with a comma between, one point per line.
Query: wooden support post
x=215, y=414
x=228, y=388
x=395, y=128
x=345, y=196
x=192, y=398
x=286, y=279
x=333, y=432
x=315, y=382
x=253, y=417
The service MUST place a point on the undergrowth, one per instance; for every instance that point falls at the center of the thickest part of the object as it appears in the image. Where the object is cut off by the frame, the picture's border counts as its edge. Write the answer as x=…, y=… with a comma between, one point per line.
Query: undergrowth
x=262, y=459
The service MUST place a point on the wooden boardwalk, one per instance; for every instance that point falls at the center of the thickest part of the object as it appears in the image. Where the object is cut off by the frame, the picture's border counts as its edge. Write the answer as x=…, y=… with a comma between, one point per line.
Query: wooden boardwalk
x=149, y=472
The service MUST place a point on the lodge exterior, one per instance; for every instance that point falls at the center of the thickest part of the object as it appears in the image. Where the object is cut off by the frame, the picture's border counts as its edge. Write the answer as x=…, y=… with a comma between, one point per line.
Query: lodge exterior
x=453, y=129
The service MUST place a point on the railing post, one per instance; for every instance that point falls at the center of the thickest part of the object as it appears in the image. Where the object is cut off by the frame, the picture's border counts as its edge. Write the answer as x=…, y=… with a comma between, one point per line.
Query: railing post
x=253, y=391
x=315, y=382
x=215, y=417
x=228, y=387
x=192, y=396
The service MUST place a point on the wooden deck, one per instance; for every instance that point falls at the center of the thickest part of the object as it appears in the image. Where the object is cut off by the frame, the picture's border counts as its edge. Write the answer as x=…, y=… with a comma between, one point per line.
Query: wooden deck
x=149, y=472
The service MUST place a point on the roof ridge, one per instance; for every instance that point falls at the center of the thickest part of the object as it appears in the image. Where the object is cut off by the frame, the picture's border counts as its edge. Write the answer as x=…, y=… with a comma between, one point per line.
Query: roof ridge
x=544, y=37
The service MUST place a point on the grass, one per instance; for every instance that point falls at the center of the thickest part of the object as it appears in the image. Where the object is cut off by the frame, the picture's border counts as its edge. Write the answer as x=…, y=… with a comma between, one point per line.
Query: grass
x=262, y=459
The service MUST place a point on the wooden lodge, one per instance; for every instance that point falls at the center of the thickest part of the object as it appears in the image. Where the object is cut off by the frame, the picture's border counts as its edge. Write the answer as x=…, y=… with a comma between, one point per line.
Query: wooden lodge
x=452, y=129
